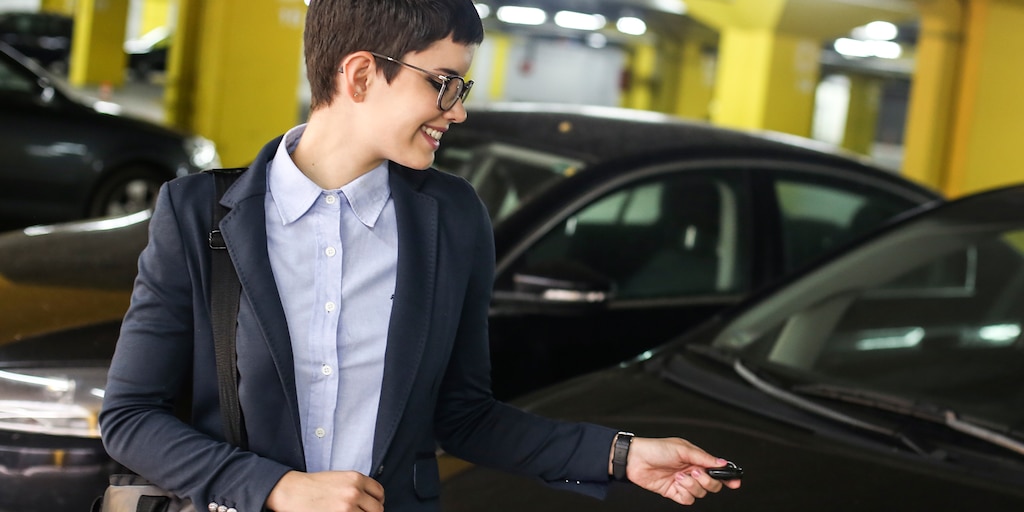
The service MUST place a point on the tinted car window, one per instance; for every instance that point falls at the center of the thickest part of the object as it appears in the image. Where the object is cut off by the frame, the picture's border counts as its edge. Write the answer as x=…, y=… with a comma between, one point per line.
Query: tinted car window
x=674, y=235
x=943, y=329
x=505, y=176
x=816, y=216
x=13, y=83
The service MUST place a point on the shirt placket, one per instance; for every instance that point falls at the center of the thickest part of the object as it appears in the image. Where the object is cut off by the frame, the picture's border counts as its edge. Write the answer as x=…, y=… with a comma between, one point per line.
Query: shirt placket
x=324, y=392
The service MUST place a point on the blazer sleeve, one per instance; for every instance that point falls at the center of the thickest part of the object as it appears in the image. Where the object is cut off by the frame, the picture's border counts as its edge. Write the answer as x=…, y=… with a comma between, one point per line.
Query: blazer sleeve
x=473, y=426
x=154, y=357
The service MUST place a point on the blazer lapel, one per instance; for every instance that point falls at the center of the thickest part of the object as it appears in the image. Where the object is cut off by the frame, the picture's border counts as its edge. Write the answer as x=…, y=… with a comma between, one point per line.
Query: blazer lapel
x=417, y=218
x=245, y=234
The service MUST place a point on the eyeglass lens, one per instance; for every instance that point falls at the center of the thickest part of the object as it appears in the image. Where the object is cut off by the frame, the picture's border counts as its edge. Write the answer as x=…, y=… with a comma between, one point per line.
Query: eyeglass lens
x=453, y=90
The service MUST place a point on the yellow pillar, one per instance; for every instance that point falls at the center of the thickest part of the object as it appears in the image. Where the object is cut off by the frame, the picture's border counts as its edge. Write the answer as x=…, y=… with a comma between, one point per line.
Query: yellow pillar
x=243, y=65
x=501, y=43
x=989, y=108
x=155, y=13
x=58, y=6
x=641, y=67
x=862, y=113
x=97, y=46
x=930, y=119
x=696, y=81
x=766, y=80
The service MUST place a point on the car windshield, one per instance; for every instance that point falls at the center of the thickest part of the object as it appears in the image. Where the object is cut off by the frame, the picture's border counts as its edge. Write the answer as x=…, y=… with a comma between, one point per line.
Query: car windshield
x=932, y=312
x=505, y=176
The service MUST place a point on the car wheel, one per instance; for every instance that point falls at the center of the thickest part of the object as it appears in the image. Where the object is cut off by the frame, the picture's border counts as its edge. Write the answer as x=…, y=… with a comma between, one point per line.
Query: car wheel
x=128, y=191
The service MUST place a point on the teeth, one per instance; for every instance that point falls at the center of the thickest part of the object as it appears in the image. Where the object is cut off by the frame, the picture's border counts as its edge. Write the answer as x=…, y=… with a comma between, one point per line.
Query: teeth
x=436, y=134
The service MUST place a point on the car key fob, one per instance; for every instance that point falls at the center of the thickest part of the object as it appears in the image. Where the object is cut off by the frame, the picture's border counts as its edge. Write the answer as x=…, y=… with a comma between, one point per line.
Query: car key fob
x=728, y=472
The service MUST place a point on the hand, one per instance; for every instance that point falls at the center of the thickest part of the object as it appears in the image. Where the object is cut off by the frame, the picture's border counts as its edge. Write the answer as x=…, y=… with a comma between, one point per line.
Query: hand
x=673, y=468
x=328, y=491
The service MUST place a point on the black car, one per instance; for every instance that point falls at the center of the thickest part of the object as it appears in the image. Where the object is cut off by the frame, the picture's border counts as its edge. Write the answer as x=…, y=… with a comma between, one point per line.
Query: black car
x=615, y=229
x=887, y=378
x=66, y=157
x=42, y=36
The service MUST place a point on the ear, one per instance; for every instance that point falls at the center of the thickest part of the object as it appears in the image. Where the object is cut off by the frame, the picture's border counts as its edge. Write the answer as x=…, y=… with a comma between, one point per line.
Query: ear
x=357, y=71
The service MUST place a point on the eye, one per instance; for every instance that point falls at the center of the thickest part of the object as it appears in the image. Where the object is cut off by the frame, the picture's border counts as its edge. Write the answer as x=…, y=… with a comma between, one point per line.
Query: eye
x=435, y=83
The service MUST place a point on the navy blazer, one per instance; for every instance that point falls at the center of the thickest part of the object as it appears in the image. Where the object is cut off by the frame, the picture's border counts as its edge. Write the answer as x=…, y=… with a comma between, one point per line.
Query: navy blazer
x=436, y=387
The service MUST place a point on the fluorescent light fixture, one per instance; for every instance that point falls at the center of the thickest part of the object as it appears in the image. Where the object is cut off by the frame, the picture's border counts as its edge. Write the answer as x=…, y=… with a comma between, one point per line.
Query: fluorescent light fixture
x=672, y=6
x=856, y=48
x=876, y=31
x=483, y=10
x=521, y=15
x=632, y=26
x=579, y=20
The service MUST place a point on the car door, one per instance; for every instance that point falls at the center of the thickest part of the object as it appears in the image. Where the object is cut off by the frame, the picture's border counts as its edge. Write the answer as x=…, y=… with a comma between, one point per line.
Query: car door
x=624, y=267
x=659, y=249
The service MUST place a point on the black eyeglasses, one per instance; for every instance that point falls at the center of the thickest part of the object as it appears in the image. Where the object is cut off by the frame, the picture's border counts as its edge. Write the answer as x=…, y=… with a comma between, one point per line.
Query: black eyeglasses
x=450, y=88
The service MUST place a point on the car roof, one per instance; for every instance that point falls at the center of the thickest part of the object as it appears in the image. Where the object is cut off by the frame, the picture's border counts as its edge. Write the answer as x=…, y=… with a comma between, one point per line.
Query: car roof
x=596, y=133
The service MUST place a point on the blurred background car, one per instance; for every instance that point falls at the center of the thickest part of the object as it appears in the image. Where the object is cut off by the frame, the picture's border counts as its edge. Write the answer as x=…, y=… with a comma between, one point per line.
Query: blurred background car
x=42, y=36
x=147, y=54
x=887, y=377
x=67, y=157
x=617, y=229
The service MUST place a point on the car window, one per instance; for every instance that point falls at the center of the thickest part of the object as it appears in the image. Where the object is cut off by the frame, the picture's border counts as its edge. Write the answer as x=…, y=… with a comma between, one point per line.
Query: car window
x=12, y=82
x=505, y=176
x=946, y=329
x=676, y=235
x=816, y=216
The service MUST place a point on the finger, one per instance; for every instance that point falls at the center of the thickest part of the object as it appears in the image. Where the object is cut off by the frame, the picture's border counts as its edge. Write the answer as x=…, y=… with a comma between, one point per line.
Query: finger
x=374, y=489
x=705, y=480
x=687, y=489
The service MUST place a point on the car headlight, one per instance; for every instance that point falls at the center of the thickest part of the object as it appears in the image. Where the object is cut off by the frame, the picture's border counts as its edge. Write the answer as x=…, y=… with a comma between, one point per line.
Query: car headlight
x=54, y=401
x=202, y=152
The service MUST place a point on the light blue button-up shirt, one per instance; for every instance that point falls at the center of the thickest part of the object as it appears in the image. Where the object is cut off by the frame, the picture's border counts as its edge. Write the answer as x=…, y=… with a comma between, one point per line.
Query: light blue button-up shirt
x=334, y=254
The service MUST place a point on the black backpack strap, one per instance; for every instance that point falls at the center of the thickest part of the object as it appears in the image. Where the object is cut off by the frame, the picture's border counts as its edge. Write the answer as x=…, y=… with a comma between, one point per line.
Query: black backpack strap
x=224, y=297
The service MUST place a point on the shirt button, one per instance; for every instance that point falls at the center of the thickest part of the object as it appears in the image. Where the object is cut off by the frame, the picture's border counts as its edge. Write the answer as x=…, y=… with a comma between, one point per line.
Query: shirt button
x=331, y=199
x=320, y=433
x=330, y=252
x=330, y=306
x=326, y=369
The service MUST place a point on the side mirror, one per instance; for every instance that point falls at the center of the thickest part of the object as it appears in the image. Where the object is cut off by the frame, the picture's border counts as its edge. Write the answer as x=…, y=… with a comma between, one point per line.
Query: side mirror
x=564, y=286
x=557, y=289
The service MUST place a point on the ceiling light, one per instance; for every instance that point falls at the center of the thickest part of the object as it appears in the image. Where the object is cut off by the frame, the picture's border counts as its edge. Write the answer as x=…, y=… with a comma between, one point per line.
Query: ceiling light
x=876, y=31
x=856, y=48
x=596, y=40
x=579, y=20
x=483, y=10
x=521, y=15
x=632, y=26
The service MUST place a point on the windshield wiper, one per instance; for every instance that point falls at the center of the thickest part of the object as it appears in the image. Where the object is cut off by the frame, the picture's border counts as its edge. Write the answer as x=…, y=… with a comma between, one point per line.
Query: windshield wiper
x=807, y=405
x=907, y=407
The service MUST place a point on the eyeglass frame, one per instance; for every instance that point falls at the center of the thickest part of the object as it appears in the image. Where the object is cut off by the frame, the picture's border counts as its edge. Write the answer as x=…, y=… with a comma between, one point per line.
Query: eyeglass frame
x=445, y=79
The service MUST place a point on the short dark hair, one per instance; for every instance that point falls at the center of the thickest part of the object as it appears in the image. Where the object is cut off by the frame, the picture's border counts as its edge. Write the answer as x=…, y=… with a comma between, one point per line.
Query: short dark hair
x=336, y=28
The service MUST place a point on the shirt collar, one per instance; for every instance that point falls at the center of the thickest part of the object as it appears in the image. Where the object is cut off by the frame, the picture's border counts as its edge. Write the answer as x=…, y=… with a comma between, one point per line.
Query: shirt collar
x=294, y=193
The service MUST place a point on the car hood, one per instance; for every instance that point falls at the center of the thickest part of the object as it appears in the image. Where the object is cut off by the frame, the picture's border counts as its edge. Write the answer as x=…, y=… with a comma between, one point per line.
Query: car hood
x=792, y=461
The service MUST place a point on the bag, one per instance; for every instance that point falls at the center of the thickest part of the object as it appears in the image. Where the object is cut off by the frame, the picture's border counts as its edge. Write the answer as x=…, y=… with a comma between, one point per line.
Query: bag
x=132, y=493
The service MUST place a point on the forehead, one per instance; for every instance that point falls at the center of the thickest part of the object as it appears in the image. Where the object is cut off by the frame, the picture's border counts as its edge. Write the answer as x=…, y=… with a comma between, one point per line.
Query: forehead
x=444, y=55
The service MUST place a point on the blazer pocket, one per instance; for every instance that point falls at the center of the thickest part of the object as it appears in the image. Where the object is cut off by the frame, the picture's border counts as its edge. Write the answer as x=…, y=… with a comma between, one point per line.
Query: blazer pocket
x=426, y=478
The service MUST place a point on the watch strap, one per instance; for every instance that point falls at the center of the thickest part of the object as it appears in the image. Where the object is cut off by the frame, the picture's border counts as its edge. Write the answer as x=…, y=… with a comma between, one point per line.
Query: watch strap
x=620, y=454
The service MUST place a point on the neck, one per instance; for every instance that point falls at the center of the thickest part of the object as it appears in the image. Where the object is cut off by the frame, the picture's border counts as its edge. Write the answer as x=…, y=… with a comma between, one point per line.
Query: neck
x=327, y=160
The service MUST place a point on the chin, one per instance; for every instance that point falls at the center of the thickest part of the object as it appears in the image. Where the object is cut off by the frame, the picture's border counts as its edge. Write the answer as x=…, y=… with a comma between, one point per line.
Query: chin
x=418, y=163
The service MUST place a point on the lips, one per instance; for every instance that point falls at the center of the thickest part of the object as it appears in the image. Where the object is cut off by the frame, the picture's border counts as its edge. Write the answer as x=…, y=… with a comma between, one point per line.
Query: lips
x=433, y=133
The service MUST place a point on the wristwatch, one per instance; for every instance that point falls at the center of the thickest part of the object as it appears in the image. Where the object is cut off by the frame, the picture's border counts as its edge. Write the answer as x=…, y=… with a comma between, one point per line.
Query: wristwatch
x=620, y=454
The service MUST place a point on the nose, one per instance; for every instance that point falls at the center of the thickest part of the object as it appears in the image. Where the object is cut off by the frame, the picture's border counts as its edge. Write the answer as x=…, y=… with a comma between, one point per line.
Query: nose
x=457, y=113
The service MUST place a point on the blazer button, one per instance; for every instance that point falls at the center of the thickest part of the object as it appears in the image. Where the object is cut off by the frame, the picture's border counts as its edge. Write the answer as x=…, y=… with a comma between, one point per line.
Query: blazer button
x=380, y=470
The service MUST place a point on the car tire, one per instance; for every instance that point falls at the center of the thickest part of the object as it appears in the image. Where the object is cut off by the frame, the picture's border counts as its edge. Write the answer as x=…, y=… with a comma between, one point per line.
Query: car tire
x=126, y=191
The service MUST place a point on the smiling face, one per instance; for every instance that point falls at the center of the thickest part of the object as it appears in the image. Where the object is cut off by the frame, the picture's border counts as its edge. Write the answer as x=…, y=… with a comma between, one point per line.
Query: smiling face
x=403, y=121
